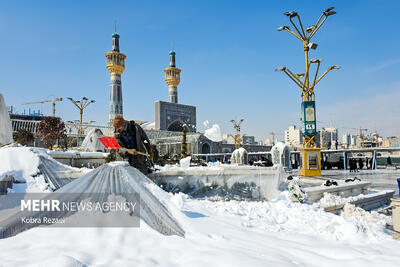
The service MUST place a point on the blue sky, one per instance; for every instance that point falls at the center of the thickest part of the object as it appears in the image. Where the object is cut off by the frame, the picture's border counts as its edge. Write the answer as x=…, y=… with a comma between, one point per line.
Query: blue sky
x=227, y=51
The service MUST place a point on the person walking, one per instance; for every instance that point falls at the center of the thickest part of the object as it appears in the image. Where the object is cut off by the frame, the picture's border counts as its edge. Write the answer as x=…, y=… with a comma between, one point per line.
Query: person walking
x=389, y=161
x=351, y=165
x=355, y=165
x=130, y=135
x=360, y=163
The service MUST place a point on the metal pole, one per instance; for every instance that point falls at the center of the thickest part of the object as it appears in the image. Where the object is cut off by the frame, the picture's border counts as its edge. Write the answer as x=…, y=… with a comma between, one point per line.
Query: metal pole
x=53, y=108
x=80, y=122
x=374, y=163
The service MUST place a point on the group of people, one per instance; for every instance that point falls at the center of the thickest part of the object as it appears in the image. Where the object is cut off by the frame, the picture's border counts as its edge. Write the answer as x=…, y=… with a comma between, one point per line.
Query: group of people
x=353, y=164
x=354, y=167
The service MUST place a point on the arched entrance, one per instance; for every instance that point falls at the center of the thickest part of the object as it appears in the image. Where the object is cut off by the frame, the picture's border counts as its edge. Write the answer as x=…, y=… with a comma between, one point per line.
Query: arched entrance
x=205, y=149
x=176, y=126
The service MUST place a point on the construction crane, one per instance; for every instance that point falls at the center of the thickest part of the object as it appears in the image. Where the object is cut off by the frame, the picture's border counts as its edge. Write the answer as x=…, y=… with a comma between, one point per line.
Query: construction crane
x=53, y=102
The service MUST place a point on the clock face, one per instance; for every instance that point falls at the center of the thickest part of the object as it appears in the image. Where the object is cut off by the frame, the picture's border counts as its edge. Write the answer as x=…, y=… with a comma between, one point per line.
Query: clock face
x=310, y=115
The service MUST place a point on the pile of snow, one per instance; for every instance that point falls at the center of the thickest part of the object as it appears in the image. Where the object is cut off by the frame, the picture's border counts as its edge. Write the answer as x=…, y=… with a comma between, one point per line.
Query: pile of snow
x=25, y=163
x=185, y=162
x=91, y=142
x=214, y=133
x=329, y=200
x=5, y=124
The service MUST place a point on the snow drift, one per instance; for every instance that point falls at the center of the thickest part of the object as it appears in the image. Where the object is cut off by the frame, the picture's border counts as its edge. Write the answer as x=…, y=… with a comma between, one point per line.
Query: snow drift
x=38, y=171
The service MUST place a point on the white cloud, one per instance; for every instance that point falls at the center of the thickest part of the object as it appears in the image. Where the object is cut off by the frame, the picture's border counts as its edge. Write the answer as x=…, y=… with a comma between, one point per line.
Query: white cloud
x=385, y=65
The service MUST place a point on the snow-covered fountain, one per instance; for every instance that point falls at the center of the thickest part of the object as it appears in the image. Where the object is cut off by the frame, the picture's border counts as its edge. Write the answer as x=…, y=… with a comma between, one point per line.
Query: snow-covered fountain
x=239, y=156
x=222, y=181
x=91, y=142
x=5, y=124
x=281, y=155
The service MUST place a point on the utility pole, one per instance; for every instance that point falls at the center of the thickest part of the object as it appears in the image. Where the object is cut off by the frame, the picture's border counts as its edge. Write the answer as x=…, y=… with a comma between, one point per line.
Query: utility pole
x=310, y=153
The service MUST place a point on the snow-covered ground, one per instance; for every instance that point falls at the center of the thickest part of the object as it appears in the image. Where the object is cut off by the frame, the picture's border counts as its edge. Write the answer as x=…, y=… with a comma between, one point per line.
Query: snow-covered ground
x=217, y=233
x=234, y=233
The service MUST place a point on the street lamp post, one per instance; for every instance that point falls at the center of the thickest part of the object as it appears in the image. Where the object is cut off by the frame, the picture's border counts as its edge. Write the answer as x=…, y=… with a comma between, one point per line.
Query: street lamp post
x=81, y=105
x=310, y=153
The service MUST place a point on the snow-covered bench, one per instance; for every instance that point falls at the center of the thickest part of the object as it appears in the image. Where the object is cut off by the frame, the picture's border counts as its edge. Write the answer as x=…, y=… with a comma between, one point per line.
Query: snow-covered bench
x=315, y=193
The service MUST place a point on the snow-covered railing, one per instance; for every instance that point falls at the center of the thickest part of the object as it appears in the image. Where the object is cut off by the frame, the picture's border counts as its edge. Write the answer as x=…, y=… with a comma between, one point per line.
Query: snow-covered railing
x=79, y=159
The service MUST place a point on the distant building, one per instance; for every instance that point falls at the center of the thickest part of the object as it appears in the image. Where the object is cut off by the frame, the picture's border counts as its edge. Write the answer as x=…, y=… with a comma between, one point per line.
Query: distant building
x=268, y=142
x=392, y=141
x=249, y=140
x=228, y=139
x=346, y=140
x=25, y=122
x=293, y=137
x=354, y=141
x=328, y=137
x=169, y=143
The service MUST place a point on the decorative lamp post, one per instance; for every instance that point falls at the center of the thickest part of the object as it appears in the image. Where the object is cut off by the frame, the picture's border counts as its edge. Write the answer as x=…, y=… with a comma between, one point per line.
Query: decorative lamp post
x=81, y=105
x=310, y=154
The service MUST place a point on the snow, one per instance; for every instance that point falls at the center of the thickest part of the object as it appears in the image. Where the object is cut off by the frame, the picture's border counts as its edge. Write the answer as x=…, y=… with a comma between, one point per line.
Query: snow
x=214, y=133
x=91, y=143
x=5, y=124
x=177, y=167
x=109, y=179
x=217, y=233
x=239, y=156
x=185, y=162
x=221, y=233
x=118, y=163
x=71, y=153
x=280, y=145
x=24, y=163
